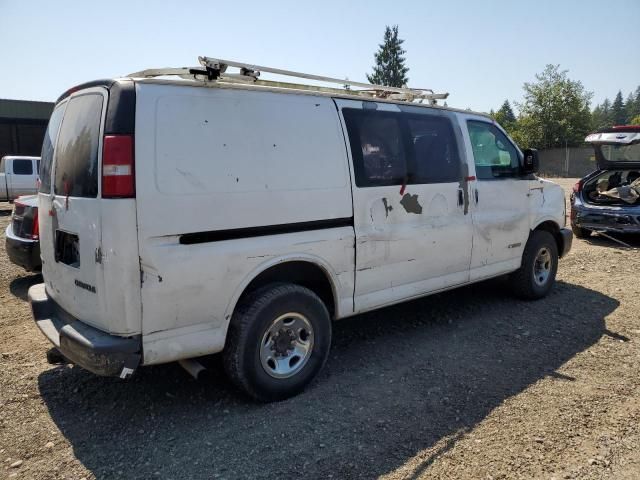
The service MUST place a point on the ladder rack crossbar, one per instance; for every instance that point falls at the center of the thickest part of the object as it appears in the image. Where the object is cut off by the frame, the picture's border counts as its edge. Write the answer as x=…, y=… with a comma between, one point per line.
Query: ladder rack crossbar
x=215, y=71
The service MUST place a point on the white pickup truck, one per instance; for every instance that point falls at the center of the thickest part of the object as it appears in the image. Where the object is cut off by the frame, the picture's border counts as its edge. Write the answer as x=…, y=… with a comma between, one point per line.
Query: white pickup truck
x=18, y=176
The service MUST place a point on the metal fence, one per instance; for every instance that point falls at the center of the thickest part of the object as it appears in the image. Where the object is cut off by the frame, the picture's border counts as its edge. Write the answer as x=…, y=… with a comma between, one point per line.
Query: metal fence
x=567, y=162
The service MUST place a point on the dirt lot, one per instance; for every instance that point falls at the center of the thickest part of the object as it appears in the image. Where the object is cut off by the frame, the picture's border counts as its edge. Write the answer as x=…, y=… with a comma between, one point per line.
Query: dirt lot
x=467, y=384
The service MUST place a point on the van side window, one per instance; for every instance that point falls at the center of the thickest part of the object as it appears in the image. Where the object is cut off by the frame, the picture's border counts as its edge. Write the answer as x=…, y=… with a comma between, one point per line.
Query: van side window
x=76, y=168
x=435, y=150
x=22, y=167
x=377, y=147
x=493, y=153
x=47, y=149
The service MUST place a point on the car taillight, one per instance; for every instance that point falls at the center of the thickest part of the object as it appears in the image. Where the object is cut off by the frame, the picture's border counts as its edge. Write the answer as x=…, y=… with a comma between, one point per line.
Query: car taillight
x=577, y=187
x=35, y=230
x=118, y=173
x=19, y=208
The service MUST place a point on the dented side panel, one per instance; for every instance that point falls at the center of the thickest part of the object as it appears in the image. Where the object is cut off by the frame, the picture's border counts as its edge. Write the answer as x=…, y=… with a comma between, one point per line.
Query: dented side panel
x=546, y=203
x=190, y=291
x=213, y=159
x=210, y=160
x=501, y=221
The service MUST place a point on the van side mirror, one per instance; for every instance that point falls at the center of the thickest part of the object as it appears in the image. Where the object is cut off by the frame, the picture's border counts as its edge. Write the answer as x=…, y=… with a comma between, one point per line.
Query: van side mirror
x=530, y=161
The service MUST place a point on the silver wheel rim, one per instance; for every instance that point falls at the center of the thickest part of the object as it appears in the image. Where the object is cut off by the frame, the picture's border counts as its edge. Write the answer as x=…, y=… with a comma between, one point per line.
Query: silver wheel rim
x=286, y=345
x=542, y=266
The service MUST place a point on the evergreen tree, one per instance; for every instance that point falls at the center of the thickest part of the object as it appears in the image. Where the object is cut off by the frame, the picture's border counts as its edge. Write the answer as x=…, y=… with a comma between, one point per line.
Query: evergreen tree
x=618, y=112
x=606, y=113
x=629, y=107
x=636, y=104
x=597, y=118
x=505, y=116
x=390, y=69
x=601, y=116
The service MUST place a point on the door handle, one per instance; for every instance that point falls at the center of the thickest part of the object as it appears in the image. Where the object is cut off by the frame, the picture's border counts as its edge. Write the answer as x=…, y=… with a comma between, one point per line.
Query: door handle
x=460, y=197
x=476, y=194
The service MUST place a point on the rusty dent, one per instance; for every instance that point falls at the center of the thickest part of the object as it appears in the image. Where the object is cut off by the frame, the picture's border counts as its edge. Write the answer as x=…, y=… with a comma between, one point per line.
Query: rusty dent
x=410, y=203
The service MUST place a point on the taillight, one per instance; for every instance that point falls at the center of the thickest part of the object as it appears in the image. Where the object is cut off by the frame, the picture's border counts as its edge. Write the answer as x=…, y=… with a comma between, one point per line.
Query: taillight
x=18, y=208
x=35, y=230
x=118, y=174
x=577, y=187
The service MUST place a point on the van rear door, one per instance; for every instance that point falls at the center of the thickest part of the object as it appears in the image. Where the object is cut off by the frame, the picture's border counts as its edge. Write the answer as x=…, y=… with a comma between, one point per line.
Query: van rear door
x=88, y=243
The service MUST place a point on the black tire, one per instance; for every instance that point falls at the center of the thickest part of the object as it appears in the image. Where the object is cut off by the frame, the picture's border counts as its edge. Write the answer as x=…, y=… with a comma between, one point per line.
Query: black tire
x=581, y=232
x=252, y=318
x=524, y=282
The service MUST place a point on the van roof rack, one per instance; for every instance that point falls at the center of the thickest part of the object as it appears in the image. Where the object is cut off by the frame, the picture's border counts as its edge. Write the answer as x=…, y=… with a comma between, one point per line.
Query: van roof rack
x=215, y=70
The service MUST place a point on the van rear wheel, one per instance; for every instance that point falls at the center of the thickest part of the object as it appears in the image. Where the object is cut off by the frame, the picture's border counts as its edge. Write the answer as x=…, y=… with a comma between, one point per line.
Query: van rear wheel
x=278, y=341
x=536, y=275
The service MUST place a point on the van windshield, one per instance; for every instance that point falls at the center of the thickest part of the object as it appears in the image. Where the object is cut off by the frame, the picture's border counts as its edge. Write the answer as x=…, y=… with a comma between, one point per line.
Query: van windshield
x=76, y=158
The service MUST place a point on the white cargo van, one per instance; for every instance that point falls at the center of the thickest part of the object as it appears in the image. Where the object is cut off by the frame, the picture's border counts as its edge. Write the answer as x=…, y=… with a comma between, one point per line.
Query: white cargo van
x=180, y=218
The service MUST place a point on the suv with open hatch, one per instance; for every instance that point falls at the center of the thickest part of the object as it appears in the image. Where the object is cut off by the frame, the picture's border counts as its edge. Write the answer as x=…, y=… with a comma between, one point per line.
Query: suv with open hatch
x=181, y=217
x=608, y=199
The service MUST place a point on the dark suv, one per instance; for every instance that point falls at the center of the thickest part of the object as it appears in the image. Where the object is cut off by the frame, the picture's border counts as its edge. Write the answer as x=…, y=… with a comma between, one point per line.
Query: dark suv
x=608, y=200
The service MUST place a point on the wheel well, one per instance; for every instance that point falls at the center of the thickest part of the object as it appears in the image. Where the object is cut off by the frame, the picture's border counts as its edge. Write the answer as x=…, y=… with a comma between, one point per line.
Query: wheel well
x=307, y=274
x=553, y=229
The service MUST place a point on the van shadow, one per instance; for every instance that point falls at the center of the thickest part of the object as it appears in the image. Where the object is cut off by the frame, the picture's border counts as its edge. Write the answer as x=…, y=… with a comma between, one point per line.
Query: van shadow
x=19, y=287
x=398, y=381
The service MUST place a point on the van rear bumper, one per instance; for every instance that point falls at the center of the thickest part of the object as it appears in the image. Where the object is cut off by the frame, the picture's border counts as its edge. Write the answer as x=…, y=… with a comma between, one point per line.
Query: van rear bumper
x=88, y=347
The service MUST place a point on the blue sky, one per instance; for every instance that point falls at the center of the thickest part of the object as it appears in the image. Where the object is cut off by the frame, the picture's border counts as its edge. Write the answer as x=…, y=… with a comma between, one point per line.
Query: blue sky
x=479, y=51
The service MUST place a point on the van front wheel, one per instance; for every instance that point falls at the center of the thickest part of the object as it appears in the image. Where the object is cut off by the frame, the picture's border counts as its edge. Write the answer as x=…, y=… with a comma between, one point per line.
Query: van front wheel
x=536, y=275
x=278, y=340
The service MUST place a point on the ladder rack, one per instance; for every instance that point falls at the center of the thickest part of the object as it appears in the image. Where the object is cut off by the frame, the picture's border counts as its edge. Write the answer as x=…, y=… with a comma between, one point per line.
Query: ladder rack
x=215, y=70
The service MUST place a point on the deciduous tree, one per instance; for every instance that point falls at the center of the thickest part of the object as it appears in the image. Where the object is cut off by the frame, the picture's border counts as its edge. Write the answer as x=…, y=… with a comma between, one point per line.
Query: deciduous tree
x=555, y=111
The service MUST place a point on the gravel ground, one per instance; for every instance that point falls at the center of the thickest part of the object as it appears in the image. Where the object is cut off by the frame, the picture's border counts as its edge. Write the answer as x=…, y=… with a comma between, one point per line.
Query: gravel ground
x=467, y=384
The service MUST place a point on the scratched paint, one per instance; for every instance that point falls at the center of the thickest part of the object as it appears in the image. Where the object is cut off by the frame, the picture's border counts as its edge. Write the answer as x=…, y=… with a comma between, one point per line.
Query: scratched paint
x=464, y=185
x=387, y=207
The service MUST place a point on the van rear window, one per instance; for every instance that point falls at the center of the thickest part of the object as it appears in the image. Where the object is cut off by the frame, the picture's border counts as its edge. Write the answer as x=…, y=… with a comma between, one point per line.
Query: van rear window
x=48, y=144
x=76, y=157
